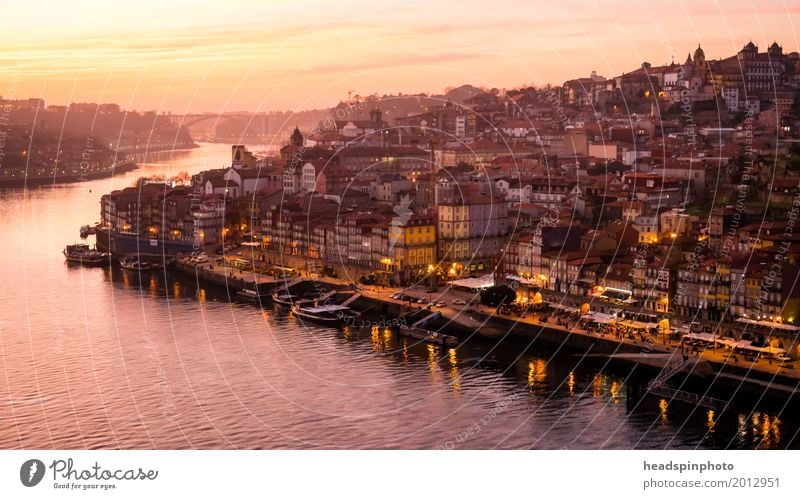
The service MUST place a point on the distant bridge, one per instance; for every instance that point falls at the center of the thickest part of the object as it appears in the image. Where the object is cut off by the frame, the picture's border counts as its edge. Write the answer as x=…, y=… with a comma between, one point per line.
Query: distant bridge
x=235, y=125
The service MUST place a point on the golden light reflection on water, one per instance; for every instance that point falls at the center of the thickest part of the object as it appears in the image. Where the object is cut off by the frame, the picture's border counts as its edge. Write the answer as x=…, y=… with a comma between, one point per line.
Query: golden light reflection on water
x=433, y=365
x=404, y=354
x=455, y=375
x=346, y=332
x=597, y=386
x=571, y=383
x=153, y=286
x=766, y=430
x=615, y=386
x=375, y=338
x=387, y=339
x=176, y=289
x=663, y=405
x=603, y=386
x=711, y=423
x=537, y=371
x=741, y=429
x=201, y=294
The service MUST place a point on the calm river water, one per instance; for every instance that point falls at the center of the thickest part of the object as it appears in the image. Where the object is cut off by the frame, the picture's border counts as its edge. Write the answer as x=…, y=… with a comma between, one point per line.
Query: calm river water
x=98, y=358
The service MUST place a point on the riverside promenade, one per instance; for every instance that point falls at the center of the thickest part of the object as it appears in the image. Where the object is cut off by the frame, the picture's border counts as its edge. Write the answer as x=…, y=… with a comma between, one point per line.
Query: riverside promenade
x=650, y=351
x=225, y=275
x=476, y=319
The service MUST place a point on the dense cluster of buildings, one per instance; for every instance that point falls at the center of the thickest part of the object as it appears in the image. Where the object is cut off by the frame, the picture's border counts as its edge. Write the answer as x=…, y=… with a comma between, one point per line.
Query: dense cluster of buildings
x=673, y=189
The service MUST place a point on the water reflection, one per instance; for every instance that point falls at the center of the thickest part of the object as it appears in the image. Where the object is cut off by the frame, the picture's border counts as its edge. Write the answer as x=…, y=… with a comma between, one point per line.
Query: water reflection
x=375, y=338
x=433, y=364
x=537, y=371
x=663, y=405
x=710, y=422
x=455, y=375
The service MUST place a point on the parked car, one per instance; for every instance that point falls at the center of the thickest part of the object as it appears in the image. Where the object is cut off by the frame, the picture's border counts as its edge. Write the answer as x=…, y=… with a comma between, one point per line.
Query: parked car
x=441, y=303
x=459, y=301
x=421, y=300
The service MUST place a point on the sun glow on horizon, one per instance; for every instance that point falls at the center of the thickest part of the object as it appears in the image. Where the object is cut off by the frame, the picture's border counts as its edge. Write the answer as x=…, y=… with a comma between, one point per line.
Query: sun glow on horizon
x=185, y=56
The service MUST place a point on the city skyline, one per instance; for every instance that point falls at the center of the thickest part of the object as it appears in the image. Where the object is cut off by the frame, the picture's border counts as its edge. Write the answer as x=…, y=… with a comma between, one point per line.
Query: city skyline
x=294, y=57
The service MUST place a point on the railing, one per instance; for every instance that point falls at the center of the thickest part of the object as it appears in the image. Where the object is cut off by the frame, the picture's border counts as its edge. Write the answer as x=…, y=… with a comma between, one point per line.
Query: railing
x=688, y=397
x=658, y=386
x=670, y=370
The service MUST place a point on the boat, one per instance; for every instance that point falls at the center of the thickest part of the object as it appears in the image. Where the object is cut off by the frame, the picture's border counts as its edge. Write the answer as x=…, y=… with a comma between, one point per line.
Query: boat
x=128, y=263
x=87, y=230
x=428, y=336
x=253, y=295
x=83, y=255
x=326, y=314
x=288, y=301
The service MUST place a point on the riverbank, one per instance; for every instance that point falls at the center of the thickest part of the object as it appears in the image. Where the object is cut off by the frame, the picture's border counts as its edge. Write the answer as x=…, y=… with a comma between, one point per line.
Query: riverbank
x=706, y=370
x=225, y=276
x=77, y=174
x=705, y=367
x=80, y=176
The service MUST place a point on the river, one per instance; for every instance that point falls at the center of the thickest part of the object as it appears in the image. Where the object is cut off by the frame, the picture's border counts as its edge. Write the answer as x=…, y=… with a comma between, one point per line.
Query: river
x=98, y=358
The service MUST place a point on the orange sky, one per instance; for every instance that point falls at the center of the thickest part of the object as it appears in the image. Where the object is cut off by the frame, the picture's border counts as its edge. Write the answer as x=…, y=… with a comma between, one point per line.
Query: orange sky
x=189, y=56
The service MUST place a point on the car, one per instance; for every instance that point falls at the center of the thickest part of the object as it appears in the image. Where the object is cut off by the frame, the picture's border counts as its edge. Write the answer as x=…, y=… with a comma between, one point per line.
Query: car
x=441, y=303
x=783, y=358
x=421, y=300
x=459, y=301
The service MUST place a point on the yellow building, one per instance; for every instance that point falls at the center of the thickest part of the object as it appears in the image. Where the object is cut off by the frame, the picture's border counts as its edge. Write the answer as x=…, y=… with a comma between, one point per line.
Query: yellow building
x=413, y=241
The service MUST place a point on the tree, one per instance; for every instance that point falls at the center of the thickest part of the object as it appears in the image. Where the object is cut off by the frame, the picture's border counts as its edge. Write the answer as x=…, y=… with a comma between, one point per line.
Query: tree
x=495, y=296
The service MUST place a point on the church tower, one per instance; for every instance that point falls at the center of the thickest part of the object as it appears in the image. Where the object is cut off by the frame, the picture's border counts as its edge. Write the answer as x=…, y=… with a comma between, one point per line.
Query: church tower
x=700, y=62
x=296, y=139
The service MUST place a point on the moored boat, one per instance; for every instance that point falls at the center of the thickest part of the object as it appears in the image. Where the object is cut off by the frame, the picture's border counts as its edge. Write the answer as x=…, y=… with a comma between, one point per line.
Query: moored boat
x=135, y=264
x=326, y=314
x=428, y=336
x=83, y=255
x=87, y=230
x=288, y=301
x=253, y=295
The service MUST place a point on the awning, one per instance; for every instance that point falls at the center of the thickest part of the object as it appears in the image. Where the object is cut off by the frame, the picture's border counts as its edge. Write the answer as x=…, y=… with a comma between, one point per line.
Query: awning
x=599, y=318
x=638, y=325
x=769, y=324
x=484, y=281
x=559, y=306
x=701, y=336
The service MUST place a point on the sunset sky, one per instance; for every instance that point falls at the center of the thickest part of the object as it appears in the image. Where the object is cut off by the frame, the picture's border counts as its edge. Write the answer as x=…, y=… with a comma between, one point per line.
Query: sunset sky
x=189, y=56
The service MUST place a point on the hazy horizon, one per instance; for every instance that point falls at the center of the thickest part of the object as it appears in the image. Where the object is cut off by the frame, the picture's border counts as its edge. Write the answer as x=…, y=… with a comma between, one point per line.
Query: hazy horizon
x=179, y=56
